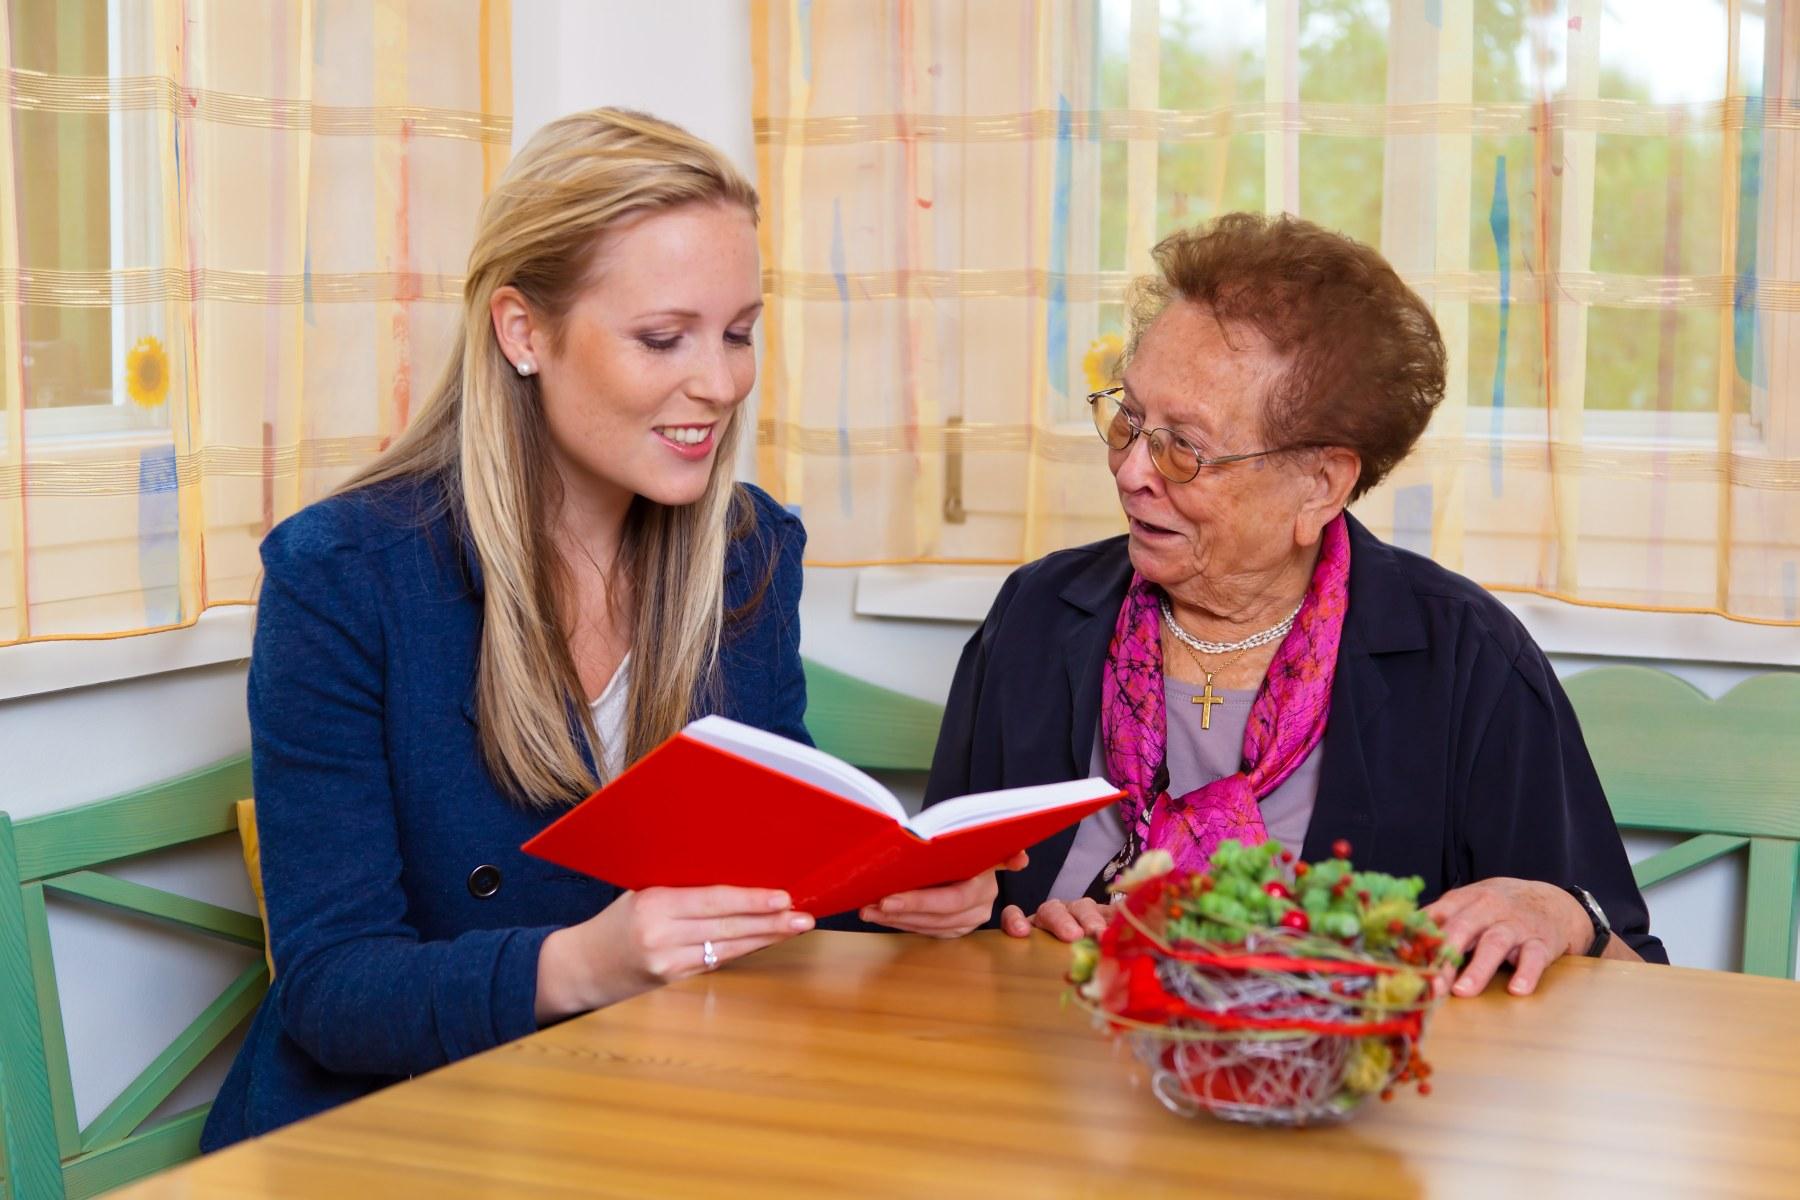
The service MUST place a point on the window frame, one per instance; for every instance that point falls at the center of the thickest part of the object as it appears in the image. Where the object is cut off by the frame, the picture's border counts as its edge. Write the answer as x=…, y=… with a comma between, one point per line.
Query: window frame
x=119, y=421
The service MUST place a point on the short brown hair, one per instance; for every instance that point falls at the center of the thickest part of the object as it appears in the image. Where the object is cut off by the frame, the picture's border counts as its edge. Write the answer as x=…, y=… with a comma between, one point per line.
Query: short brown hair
x=1365, y=360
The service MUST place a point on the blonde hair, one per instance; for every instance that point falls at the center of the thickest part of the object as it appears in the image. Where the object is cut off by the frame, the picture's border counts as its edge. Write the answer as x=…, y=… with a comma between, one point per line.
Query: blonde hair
x=482, y=435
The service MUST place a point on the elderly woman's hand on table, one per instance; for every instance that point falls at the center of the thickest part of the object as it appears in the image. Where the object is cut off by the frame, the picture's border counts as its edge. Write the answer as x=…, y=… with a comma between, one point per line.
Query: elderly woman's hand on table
x=1067, y=922
x=1522, y=922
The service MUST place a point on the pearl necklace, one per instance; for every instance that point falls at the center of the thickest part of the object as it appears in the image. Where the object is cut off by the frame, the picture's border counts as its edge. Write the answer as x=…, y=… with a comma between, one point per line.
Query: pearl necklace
x=1216, y=648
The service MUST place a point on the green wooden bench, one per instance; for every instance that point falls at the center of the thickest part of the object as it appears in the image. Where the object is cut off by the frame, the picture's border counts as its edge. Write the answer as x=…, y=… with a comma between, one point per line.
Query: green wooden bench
x=45, y=1152
x=1725, y=772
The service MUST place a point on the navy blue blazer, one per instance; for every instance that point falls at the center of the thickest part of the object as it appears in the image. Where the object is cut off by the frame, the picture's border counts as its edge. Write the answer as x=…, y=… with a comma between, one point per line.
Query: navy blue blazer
x=405, y=922
x=1451, y=752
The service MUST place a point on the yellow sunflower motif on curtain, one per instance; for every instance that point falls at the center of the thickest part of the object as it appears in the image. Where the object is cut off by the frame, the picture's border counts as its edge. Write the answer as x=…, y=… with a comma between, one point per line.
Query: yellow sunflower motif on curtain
x=1101, y=362
x=147, y=373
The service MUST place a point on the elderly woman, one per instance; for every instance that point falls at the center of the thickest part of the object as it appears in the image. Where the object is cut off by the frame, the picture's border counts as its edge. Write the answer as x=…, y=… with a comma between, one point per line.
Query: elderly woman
x=1249, y=661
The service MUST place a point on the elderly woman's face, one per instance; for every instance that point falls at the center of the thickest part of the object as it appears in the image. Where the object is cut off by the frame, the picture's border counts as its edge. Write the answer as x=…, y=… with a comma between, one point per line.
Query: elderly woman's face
x=1233, y=522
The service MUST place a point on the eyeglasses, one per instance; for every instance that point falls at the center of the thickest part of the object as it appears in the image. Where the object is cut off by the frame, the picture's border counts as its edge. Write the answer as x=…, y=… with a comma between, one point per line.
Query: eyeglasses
x=1174, y=457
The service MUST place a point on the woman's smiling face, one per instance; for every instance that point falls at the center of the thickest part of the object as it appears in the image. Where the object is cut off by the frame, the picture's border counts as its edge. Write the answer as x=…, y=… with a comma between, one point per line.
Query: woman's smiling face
x=655, y=355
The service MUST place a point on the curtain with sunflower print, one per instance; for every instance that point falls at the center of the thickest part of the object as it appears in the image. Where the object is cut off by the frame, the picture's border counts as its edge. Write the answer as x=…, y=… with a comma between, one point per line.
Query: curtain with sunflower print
x=1600, y=200
x=231, y=245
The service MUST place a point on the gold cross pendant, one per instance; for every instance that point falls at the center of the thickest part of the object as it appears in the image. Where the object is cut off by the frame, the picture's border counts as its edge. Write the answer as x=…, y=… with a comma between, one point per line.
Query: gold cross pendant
x=1206, y=700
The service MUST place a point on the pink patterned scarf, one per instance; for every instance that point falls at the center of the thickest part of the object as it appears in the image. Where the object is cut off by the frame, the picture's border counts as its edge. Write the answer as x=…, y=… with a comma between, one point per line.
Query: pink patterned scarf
x=1287, y=719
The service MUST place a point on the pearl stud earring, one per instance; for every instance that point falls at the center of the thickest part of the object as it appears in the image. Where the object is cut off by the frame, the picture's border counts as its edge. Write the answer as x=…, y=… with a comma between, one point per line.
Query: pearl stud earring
x=527, y=367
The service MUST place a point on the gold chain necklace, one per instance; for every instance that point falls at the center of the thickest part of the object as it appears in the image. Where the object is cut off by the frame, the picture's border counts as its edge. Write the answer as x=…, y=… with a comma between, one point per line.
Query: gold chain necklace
x=1208, y=698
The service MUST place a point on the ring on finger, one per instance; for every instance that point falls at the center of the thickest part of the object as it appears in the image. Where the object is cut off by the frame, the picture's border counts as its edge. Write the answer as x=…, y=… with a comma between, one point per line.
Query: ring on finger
x=709, y=958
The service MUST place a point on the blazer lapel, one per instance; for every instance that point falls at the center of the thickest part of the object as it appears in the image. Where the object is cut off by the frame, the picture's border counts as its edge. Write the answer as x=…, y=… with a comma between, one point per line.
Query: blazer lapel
x=1345, y=805
x=1076, y=632
x=1085, y=664
x=1383, y=618
x=1095, y=595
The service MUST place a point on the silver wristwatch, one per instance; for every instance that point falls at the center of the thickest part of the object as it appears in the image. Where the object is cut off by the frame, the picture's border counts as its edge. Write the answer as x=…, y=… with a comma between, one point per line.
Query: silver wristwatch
x=1602, y=927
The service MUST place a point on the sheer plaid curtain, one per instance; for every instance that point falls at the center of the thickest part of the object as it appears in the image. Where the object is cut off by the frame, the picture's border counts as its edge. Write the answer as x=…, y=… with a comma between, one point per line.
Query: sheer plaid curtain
x=231, y=245
x=933, y=213
x=1600, y=199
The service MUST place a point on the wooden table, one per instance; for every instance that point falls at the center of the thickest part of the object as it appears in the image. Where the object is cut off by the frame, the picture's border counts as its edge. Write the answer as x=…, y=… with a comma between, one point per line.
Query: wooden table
x=858, y=1064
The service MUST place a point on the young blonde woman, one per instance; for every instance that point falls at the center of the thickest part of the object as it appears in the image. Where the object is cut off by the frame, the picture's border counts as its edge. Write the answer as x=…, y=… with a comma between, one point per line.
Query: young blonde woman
x=550, y=572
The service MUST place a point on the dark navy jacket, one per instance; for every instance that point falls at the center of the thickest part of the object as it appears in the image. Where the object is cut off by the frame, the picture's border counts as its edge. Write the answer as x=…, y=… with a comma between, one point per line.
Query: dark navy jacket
x=1451, y=751
x=404, y=919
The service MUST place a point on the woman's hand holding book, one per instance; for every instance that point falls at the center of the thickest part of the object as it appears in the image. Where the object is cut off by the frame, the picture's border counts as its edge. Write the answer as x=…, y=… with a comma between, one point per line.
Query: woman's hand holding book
x=645, y=939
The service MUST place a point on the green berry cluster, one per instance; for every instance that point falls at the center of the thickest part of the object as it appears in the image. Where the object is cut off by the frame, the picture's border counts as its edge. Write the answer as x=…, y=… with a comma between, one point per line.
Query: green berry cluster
x=1248, y=888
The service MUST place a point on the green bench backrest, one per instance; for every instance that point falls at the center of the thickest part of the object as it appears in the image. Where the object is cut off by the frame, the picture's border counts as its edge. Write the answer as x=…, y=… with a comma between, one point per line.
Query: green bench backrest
x=868, y=726
x=45, y=1152
x=1726, y=771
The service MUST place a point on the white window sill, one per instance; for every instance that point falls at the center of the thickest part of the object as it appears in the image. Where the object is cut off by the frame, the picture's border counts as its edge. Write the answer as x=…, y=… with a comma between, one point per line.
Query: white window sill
x=964, y=594
x=221, y=634
x=957, y=595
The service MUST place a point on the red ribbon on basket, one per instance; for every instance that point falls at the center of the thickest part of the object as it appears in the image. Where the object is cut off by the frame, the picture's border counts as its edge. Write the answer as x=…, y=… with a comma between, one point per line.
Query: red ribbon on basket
x=1141, y=998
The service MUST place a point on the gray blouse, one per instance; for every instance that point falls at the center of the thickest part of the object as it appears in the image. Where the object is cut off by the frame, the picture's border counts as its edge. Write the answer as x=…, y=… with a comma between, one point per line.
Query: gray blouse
x=1196, y=757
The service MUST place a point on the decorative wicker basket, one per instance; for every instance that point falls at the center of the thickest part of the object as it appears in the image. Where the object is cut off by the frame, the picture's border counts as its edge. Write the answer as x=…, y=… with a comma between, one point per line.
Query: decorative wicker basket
x=1286, y=1028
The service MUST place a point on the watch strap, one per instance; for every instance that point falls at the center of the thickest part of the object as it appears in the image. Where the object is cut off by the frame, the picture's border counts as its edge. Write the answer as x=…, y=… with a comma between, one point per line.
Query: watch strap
x=1602, y=930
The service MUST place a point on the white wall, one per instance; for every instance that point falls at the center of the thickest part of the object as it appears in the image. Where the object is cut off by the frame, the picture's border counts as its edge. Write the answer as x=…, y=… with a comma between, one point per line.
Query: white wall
x=686, y=61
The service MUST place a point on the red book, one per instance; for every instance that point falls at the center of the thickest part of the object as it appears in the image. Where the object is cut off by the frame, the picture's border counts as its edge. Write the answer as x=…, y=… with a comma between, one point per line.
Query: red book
x=722, y=802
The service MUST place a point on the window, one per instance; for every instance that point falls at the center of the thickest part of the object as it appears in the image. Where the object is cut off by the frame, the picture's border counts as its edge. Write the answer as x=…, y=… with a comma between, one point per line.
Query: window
x=1612, y=369
x=240, y=226
x=88, y=206
x=1586, y=192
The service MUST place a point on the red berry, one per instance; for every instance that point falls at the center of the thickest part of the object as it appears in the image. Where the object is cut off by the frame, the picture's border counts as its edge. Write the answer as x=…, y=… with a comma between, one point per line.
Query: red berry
x=1278, y=889
x=1287, y=856
x=1300, y=870
x=1424, y=1088
x=1387, y=1093
x=1340, y=848
x=1296, y=918
x=1396, y=926
x=1363, y=896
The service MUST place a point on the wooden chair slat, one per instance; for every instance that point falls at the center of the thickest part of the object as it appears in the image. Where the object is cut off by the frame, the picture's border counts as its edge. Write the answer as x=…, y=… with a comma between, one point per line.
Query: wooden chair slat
x=1673, y=760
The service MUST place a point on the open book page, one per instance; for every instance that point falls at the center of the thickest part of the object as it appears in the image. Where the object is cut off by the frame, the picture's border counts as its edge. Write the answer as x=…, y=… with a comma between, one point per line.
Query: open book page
x=802, y=762
x=983, y=808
